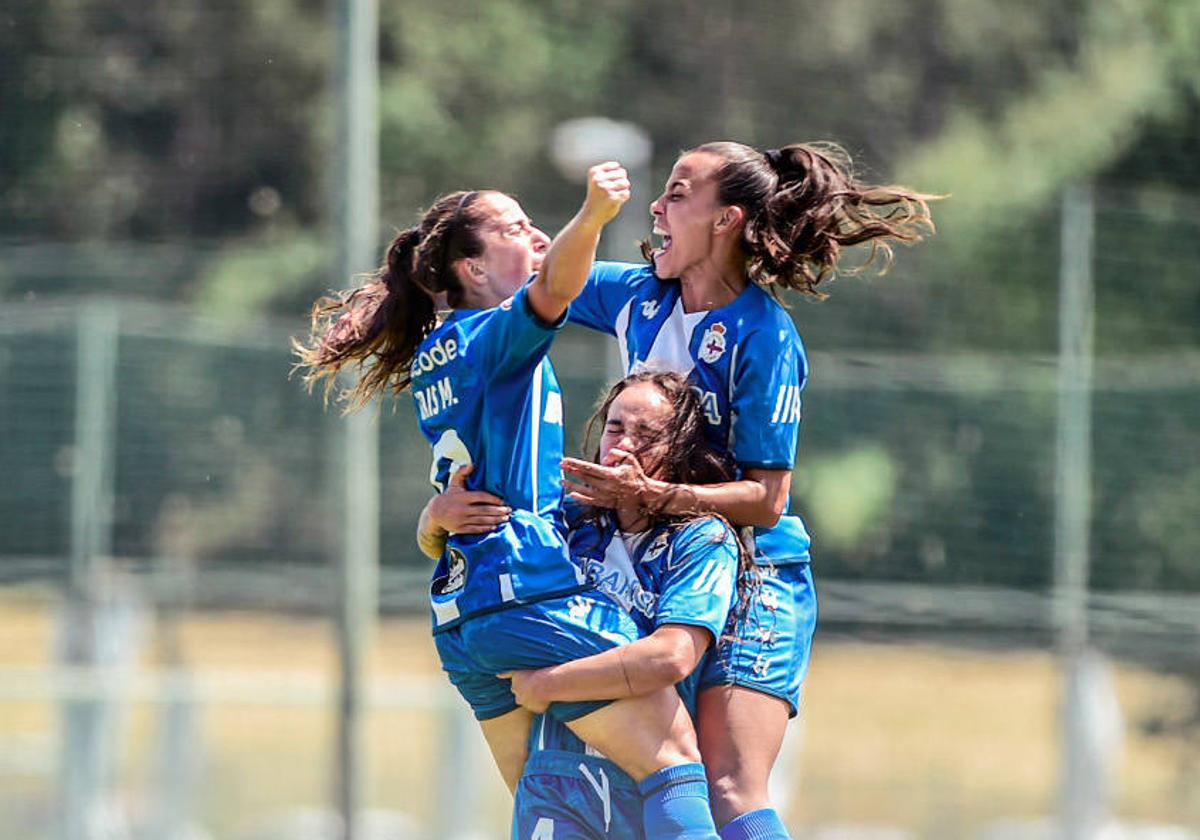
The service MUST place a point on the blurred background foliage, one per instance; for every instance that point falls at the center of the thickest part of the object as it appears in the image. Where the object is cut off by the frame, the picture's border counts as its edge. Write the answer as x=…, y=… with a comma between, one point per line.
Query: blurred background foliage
x=165, y=170
x=180, y=152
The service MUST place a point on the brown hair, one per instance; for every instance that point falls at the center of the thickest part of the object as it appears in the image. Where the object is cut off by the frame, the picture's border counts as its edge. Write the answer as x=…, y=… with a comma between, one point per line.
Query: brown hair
x=688, y=457
x=803, y=205
x=378, y=326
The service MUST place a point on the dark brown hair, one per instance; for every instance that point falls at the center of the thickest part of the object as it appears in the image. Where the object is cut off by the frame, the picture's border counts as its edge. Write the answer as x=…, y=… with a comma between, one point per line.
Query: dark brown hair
x=686, y=456
x=378, y=326
x=803, y=206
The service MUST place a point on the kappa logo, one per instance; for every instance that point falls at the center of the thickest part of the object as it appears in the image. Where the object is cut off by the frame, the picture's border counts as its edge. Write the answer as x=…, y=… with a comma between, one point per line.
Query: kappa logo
x=649, y=309
x=656, y=548
x=766, y=635
x=579, y=607
x=712, y=345
x=761, y=666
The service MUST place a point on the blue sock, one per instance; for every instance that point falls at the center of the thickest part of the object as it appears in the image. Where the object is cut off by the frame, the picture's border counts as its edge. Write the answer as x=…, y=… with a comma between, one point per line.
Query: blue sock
x=763, y=824
x=675, y=804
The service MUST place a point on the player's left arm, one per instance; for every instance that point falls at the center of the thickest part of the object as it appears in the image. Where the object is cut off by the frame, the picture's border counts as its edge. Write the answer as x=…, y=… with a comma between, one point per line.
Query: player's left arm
x=696, y=592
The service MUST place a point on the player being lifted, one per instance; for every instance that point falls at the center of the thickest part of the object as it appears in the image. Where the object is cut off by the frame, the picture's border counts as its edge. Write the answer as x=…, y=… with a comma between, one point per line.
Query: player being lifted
x=488, y=398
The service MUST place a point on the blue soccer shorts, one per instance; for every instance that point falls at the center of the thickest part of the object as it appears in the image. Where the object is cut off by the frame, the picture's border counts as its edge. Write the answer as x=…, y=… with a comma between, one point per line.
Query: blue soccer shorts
x=767, y=646
x=572, y=796
x=530, y=636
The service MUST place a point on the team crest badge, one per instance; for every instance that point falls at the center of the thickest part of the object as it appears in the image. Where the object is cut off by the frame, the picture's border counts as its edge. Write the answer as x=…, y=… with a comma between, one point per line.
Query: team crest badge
x=712, y=345
x=456, y=573
x=649, y=309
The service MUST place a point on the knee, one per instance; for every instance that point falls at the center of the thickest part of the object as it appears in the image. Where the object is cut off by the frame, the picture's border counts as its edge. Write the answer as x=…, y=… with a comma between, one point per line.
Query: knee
x=732, y=794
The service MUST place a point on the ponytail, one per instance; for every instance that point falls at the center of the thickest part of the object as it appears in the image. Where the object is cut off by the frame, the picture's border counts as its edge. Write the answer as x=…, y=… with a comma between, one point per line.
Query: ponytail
x=381, y=322
x=378, y=327
x=803, y=205
x=817, y=209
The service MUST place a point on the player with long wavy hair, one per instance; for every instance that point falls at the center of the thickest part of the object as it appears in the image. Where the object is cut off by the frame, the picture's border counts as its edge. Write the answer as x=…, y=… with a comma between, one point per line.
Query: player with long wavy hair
x=487, y=397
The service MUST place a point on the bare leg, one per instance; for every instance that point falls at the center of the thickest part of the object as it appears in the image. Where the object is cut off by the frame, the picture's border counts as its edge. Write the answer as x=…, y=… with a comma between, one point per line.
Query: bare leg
x=642, y=735
x=740, y=732
x=508, y=738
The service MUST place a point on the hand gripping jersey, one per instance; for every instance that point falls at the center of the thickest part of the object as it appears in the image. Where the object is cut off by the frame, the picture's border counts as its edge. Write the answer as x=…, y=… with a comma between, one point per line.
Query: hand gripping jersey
x=745, y=360
x=486, y=395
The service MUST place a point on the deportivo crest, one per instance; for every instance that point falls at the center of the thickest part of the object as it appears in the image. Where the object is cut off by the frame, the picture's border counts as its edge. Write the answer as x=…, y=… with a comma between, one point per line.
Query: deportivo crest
x=649, y=308
x=456, y=573
x=712, y=345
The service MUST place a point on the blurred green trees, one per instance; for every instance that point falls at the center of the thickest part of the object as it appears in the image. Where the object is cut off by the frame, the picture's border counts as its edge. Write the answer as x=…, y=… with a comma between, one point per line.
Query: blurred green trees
x=179, y=150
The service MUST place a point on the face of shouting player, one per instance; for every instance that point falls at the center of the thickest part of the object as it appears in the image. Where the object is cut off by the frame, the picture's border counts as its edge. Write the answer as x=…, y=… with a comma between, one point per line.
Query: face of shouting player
x=685, y=215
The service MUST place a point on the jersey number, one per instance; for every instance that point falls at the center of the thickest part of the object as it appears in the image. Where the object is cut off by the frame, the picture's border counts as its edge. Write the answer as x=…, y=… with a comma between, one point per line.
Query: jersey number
x=708, y=401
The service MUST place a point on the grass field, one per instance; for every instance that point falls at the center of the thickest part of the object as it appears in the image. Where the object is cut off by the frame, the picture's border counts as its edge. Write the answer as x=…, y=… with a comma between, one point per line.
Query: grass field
x=939, y=741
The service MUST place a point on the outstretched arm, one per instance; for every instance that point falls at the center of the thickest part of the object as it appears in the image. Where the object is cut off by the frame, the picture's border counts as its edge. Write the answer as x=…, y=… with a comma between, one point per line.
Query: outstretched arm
x=653, y=662
x=565, y=268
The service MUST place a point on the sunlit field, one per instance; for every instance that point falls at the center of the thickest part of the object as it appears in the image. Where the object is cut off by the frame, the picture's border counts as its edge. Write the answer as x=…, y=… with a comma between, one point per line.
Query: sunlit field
x=931, y=739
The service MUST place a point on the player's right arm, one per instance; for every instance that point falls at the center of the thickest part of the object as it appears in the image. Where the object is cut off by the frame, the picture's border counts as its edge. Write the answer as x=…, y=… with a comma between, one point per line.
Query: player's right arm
x=566, y=265
x=651, y=663
x=458, y=511
x=696, y=594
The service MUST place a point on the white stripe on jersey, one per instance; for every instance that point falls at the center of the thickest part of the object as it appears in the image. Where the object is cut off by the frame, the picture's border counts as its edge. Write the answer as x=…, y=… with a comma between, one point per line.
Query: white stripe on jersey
x=620, y=326
x=787, y=405
x=779, y=403
x=670, y=350
x=707, y=578
x=535, y=431
x=445, y=611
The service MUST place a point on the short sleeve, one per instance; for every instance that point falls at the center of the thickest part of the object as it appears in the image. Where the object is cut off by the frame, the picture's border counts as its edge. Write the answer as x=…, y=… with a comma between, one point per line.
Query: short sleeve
x=513, y=335
x=768, y=376
x=609, y=287
x=699, y=577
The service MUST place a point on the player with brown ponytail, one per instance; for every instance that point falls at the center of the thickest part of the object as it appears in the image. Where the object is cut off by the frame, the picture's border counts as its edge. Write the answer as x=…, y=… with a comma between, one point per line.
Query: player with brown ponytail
x=489, y=404
x=737, y=226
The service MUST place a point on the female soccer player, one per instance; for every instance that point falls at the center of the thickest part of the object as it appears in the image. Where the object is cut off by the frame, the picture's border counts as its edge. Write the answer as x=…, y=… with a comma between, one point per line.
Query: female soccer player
x=736, y=224
x=486, y=396
x=675, y=574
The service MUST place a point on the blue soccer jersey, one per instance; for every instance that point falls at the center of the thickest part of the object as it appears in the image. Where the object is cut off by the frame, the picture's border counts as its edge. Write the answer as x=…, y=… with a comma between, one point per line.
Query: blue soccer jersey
x=745, y=360
x=486, y=395
x=671, y=574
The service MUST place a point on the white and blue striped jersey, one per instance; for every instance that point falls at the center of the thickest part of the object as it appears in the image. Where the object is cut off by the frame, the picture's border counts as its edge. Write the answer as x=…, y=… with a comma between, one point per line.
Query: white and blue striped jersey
x=745, y=360
x=672, y=574
x=486, y=395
